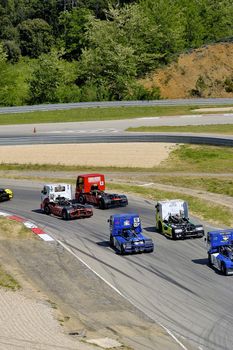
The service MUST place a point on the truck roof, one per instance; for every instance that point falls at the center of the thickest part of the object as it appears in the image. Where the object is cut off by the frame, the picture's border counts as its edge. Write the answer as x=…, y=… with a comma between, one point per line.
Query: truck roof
x=124, y=216
x=90, y=175
x=171, y=201
x=221, y=232
x=220, y=237
x=57, y=184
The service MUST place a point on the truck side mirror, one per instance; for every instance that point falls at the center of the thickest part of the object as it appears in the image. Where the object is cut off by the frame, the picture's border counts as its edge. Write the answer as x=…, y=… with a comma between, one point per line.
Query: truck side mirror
x=108, y=220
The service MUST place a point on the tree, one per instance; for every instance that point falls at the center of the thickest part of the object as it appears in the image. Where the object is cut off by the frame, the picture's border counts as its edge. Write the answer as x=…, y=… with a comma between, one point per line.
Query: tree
x=52, y=80
x=217, y=19
x=107, y=63
x=12, y=50
x=35, y=37
x=73, y=26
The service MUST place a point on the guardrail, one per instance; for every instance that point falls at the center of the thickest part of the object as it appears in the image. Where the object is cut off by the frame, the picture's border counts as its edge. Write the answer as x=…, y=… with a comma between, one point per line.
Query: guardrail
x=175, y=102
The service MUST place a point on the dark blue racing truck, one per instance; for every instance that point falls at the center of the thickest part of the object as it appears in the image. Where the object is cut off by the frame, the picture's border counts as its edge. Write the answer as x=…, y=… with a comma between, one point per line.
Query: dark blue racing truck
x=220, y=250
x=126, y=234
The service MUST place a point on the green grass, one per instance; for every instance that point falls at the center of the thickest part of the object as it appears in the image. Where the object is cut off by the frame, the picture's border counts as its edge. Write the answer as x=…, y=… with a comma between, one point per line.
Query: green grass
x=92, y=114
x=7, y=281
x=215, y=185
x=65, y=168
x=226, y=129
x=196, y=159
x=208, y=211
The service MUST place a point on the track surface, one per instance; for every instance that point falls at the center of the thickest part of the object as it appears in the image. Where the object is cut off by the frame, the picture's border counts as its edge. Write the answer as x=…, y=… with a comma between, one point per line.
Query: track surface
x=173, y=285
x=113, y=131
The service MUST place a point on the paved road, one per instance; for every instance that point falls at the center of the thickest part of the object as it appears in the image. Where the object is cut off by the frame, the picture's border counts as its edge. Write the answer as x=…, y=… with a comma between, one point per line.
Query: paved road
x=112, y=127
x=173, y=285
x=112, y=131
x=178, y=102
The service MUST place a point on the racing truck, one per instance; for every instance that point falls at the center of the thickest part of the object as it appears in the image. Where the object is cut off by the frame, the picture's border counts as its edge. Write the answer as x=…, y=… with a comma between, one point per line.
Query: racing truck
x=173, y=221
x=5, y=194
x=220, y=250
x=57, y=199
x=90, y=188
x=126, y=234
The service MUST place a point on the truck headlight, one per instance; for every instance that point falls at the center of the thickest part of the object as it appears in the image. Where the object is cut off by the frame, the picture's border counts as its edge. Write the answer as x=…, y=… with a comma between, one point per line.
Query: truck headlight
x=199, y=228
x=127, y=245
x=138, y=242
x=179, y=230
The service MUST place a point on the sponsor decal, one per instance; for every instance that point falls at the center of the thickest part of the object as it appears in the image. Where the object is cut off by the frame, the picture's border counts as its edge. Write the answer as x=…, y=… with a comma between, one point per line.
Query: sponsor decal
x=94, y=179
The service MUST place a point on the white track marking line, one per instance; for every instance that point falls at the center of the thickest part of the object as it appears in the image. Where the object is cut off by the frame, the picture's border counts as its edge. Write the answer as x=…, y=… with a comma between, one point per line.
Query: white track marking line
x=4, y=214
x=191, y=116
x=45, y=237
x=117, y=290
x=148, y=184
x=148, y=118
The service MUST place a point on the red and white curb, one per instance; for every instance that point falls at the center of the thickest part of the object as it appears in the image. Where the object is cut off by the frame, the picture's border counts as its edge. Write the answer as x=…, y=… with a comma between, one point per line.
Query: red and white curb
x=33, y=227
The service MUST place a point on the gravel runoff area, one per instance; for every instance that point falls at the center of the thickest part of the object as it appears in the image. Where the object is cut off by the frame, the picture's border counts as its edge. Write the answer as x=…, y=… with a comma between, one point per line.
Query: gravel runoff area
x=62, y=305
x=144, y=155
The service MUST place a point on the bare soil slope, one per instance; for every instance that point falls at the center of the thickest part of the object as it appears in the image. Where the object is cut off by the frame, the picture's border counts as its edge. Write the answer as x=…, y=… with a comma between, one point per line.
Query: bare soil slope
x=204, y=72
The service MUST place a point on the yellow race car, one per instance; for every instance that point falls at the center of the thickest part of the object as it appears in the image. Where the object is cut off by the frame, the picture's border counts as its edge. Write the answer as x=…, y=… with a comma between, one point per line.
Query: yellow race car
x=5, y=194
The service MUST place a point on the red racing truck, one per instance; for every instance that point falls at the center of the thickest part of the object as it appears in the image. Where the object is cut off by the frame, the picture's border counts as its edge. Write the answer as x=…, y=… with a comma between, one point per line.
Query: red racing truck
x=90, y=188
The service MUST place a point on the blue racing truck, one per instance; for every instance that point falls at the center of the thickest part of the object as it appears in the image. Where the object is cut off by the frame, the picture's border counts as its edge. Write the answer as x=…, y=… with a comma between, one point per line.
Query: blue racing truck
x=126, y=234
x=220, y=250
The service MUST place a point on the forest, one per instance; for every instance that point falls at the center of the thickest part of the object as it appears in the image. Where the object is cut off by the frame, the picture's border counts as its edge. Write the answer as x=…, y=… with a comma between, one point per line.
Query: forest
x=56, y=51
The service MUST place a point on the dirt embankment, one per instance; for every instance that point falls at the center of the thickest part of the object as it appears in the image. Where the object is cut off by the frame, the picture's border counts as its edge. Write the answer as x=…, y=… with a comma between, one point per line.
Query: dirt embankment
x=204, y=72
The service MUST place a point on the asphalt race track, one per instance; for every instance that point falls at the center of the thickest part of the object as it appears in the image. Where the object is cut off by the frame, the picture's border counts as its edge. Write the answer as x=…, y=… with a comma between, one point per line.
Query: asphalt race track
x=173, y=285
x=114, y=131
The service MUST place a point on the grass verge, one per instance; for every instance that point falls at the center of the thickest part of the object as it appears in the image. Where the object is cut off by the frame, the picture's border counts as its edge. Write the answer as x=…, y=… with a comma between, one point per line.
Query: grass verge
x=92, y=114
x=215, y=185
x=226, y=129
x=195, y=158
x=11, y=230
x=7, y=281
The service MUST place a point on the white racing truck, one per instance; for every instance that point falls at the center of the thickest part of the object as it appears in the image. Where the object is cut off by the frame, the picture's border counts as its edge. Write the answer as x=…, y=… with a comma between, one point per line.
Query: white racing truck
x=172, y=220
x=57, y=199
x=54, y=192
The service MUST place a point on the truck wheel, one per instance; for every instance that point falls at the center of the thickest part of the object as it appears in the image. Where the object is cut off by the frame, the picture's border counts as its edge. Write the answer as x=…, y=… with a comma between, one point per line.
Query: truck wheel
x=111, y=242
x=102, y=204
x=173, y=235
x=47, y=210
x=224, y=269
x=160, y=227
x=209, y=259
x=82, y=200
x=122, y=251
x=65, y=215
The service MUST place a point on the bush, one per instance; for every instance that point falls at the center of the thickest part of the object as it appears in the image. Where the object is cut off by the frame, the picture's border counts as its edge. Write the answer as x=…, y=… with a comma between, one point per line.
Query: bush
x=12, y=50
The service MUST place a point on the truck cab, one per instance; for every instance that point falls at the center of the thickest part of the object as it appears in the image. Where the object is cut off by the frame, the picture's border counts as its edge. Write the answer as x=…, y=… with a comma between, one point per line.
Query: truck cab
x=220, y=250
x=54, y=192
x=90, y=188
x=173, y=221
x=126, y=234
